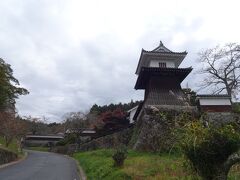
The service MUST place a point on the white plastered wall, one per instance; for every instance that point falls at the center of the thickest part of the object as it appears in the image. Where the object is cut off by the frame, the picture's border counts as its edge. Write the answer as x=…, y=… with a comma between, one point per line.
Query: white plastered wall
x=132, y=113
x=214, y=101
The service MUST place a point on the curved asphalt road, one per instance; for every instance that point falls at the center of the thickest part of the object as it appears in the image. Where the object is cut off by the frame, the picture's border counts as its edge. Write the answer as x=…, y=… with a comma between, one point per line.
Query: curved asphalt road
x=41, y=166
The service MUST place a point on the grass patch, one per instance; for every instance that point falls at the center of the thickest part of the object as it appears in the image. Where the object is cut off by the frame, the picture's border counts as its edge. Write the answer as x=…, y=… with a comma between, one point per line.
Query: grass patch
x=138, y=165
x=39, y=148
x=99, y=165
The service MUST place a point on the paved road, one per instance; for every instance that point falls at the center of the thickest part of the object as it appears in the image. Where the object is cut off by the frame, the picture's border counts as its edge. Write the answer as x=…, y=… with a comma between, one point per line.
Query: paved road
x=41, y=166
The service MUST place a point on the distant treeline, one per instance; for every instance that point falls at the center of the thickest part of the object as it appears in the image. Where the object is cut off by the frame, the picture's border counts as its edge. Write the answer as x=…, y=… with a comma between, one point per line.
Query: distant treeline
x=111, y=107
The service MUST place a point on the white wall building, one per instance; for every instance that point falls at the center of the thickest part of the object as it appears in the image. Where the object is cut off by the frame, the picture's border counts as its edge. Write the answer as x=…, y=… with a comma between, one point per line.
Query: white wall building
x=214, y=103
x=132, y=113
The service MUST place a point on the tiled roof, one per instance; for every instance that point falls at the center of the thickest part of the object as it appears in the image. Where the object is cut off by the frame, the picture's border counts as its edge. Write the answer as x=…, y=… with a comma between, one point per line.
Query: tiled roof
x=42, y=136
x=213, y=96
x=164, y=52
x=163, y=49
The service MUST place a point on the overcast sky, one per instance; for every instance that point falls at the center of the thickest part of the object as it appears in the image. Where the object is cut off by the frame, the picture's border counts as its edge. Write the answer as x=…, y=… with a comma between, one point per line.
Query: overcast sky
x=72, y=54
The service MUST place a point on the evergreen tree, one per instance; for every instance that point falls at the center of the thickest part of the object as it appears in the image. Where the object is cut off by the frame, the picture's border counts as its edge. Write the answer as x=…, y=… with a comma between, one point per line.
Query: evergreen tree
x=9, y=86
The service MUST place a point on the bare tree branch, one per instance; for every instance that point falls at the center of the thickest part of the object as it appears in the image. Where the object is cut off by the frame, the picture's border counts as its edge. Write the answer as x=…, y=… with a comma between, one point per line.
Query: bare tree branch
x=221, y=66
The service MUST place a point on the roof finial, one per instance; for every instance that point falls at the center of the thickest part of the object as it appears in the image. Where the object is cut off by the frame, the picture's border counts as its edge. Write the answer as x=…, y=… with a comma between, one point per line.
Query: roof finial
x=161, y=44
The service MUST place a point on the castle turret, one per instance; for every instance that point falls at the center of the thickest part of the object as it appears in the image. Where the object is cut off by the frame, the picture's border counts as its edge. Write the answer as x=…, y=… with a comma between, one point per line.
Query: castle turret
x=160, y=76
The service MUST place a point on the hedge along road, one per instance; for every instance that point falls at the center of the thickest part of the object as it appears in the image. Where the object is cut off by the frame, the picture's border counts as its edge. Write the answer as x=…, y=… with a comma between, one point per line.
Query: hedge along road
x=42, y=166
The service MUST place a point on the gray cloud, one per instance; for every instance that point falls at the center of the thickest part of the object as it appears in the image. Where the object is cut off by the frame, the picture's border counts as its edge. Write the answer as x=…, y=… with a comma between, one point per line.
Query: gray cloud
x=72, y=54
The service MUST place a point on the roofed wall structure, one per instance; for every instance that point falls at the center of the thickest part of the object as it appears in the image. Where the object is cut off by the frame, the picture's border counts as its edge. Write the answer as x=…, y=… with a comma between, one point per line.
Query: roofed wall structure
x=214, y=103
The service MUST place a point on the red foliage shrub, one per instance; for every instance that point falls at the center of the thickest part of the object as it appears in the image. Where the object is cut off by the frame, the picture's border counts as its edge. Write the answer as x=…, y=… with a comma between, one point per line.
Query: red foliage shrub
x=112, y=121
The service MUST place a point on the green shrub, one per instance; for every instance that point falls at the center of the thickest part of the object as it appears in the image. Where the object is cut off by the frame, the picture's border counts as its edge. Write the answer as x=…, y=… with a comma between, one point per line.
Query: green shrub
x=119, y=156
x=69, y=139
x=236, y=107
x=208, y=148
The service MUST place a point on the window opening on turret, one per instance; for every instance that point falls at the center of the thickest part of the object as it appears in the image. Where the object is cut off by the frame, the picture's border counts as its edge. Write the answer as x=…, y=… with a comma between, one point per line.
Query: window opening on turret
x=162, y=65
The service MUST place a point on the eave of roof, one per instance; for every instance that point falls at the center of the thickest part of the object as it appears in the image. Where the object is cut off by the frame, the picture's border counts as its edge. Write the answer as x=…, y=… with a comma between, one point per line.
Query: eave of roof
x=171, y=52
x=132, y=108
x=42, y=136
x=88, y=132
x=147, y=72
x=213, y=96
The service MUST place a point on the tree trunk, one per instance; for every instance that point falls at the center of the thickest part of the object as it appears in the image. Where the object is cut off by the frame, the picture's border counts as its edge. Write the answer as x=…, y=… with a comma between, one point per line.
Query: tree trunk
x=229, y=91
x=221, y=174
x=7, y=142
x=221, y=170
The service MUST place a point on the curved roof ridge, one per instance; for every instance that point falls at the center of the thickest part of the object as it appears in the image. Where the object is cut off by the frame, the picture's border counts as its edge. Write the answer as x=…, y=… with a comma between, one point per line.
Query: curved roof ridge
x=163, y=49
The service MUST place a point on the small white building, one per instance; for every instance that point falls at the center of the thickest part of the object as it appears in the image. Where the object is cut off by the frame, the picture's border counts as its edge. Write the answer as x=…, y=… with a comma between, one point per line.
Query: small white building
x=89, y=131
x=214, y=103
x=132, y=112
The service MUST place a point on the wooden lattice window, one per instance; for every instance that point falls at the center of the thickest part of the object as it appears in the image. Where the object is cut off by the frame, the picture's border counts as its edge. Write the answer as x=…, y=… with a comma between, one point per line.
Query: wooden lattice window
x=162, y=65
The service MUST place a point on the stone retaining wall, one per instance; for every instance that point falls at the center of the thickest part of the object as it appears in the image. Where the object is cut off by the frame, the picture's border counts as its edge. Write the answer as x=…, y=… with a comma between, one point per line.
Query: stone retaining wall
x=221, y=117
x=67, y=149
x=153, y=131
x=109, y=141
x=7, y=156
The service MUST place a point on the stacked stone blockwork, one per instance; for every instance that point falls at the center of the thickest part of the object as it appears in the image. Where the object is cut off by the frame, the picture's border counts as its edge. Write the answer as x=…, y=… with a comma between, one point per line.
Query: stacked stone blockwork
x=153, y=131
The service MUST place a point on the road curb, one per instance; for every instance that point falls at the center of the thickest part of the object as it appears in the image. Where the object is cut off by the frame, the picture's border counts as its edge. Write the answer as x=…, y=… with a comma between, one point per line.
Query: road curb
x=14, y=162
x=79, y=169
x=81, y=172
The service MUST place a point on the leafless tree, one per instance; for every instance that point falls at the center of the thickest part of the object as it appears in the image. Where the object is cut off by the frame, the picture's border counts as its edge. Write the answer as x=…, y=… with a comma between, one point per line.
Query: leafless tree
x=36, y=125
x=7, y=128
x=11, y=128
x=75, y=121
x=221, y=66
